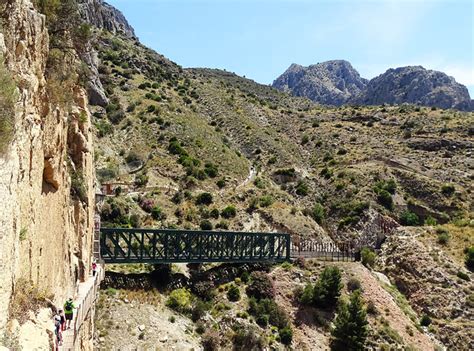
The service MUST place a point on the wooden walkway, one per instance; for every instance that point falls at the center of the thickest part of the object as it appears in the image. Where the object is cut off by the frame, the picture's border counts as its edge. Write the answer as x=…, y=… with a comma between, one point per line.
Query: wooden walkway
x=84, y=301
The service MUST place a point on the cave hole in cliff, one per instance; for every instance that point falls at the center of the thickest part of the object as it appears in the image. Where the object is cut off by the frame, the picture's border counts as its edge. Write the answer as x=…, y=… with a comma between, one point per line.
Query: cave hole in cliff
x=50, y=181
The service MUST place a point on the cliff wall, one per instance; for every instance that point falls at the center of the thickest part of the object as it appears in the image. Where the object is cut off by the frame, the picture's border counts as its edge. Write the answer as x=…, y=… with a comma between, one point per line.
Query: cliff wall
x=45, y=227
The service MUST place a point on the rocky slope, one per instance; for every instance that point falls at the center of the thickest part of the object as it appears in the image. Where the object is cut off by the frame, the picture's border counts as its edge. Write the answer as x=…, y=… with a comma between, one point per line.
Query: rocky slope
x=337, y=82
x=329, y=83
x=46, y=185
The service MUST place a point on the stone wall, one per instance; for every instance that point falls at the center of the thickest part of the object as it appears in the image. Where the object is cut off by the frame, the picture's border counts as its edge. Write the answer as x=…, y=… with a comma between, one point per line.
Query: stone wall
x=45, y=233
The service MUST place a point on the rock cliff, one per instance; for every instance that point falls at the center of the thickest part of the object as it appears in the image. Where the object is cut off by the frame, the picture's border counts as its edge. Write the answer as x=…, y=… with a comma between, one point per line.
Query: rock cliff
x=46, y=228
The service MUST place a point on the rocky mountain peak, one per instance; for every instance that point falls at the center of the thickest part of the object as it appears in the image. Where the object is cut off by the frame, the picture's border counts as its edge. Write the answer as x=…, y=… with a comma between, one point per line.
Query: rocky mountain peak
x=331, y=82
x=102, y=15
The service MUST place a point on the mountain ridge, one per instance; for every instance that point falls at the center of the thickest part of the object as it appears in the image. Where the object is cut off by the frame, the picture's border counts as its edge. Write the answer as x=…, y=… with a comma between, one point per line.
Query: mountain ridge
x=409, y=84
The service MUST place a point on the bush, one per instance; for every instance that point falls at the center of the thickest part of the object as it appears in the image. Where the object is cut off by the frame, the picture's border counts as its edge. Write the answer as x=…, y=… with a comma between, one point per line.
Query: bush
x=210, y=340
x=353, y=284
x=221, y=183
x=198, y=311
x=463, y=276
x=266, y=311
x=179, y=300
x=247, y=339
x=233, y=294
x=409, y=218
x=266, y=200
x=245, y=277
x=425, y=320
x=317, y=213
x=204, y=199
x=229, y=212
x=260, y=286
x=448, y=189
x=385, y=199
x=469, y=259
x=368, y=257
x=156, y=213
x=307, y=295
x=350, y=326
x=204, y=289
x=286, y=335
x=302, y=188
x=443, y=238
x=205, y=225
x=132, y=157
x=431, y=221
x=211, y=170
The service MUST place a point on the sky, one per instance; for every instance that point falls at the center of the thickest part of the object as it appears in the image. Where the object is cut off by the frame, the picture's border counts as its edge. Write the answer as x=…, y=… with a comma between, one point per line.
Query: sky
x=259, y=39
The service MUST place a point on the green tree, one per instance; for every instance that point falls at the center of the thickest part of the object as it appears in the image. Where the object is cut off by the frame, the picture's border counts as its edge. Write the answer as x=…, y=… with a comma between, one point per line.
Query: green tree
x=328, y=288
x=409, y=218
x=317, y=213
x=350, y=326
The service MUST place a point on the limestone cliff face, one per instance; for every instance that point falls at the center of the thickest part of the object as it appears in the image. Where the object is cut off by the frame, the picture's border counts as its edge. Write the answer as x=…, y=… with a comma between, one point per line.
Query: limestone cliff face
x=45, y=232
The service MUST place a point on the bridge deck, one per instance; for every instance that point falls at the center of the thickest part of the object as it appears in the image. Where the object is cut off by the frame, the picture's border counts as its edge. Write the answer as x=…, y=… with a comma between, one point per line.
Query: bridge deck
x=121, y=245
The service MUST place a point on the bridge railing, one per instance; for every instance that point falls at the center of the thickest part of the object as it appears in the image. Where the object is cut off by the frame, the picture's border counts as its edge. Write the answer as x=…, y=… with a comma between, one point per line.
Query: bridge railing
x=123, y=245
x=310, y=248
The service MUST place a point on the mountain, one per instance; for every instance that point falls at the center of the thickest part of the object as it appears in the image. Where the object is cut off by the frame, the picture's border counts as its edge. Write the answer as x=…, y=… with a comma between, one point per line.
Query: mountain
x=414, y=85
x=337, y=82
x=329, y=83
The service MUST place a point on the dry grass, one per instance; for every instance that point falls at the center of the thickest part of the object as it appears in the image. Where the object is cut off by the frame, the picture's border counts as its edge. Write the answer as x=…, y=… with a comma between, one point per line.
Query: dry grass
x=8, y=98
x=27, y=297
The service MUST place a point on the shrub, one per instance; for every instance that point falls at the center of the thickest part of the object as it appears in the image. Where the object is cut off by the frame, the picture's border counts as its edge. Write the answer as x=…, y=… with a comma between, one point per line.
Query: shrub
x=431, y=221
x=221, y=183
x=302, y=188
x=448, y=189
x=179, y=300
x=463, y=276
x=260, y=286
x=328, y=288
x=198, y=311
x=425, y=320
x=307, y=295
x=78, y=186
x=409, y=218
x=204, y=199
x=211, y=170
x=286, y=335
x=247, y=339
x=210, y=340
x=350, y=326
x=132, y=157
x=267, y=311
x=368, y=257
x=214, y=213
x=156, y=213
x=229, y=212
x=266, y=200
x=262, y=320
x=205, y=225
x=353, y=284
x=317, y=213
x=204, y=289
x=385, y=199
x=469, y=259
x=245, y=277
x=233, y=294
x=443, y=238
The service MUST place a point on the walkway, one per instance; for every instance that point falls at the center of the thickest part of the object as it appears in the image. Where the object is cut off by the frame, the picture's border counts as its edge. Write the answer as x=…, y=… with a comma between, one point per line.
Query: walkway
x=84, y=301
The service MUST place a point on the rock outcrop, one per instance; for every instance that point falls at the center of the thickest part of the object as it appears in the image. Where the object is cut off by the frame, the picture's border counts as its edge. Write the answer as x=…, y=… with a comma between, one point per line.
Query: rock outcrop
x=338, y=83
x=431, y=288
x=101, y=15
x=329, y=83
x=45, y=231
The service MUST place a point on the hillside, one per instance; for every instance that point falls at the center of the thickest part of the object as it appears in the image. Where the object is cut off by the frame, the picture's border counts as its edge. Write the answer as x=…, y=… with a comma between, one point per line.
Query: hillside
x=203, y=148
x=337, y=83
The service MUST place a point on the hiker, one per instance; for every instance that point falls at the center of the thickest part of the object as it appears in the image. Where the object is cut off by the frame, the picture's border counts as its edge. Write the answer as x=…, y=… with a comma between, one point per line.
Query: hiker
x=69, y=311
x=63, y=320
x=94, y=268
x=57, y=329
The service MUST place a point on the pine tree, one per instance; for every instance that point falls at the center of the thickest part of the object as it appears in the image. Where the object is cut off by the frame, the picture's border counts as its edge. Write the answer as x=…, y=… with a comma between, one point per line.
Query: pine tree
x=350, y=326
x=328, y=287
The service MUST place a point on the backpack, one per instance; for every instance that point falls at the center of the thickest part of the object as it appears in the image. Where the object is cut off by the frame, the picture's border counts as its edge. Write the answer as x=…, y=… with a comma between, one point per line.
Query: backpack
x=68, y=306
x=57, y=321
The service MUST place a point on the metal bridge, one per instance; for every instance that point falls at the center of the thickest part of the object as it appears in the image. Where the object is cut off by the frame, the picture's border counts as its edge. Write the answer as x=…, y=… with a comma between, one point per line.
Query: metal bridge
x=120, y=245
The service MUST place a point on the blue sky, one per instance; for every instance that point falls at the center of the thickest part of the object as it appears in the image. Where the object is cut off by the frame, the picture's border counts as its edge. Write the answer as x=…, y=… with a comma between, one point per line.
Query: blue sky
x=259, y=39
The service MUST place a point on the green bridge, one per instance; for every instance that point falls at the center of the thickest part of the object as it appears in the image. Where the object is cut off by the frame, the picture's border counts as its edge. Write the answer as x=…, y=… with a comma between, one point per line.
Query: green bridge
x=119, y=245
